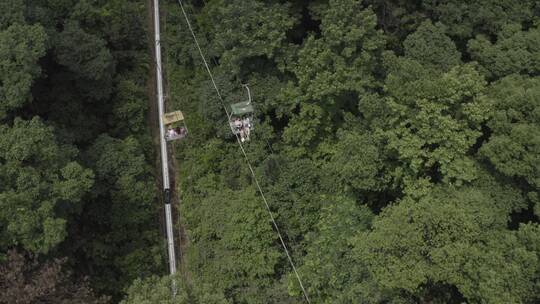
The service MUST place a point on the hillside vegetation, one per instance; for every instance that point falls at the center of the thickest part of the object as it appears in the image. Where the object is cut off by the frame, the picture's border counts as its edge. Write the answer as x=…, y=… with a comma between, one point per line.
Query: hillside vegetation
x=397, y=143
x=77, y=188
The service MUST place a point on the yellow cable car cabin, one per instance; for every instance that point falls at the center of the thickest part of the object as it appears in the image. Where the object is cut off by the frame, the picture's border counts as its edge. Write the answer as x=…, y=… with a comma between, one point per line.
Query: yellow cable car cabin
x=175, y=126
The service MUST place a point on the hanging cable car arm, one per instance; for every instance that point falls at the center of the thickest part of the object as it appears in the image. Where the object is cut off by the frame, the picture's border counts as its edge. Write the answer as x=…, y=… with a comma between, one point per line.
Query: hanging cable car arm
x=248, y=91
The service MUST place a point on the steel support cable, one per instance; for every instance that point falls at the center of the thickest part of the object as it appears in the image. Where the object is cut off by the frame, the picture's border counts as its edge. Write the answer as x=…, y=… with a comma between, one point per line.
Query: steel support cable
x=274, y=223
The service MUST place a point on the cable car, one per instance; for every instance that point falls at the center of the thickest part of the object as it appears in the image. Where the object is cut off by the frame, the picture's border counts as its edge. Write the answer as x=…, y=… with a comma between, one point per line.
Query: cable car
x=176, y=127
x=241, y=117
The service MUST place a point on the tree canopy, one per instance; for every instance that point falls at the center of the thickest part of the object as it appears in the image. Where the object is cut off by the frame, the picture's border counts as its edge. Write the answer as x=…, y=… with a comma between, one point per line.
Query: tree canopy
x=396, y=143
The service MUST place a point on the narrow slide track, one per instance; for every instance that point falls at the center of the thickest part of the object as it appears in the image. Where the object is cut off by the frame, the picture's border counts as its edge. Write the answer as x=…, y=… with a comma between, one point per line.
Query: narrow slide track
x=167, y=165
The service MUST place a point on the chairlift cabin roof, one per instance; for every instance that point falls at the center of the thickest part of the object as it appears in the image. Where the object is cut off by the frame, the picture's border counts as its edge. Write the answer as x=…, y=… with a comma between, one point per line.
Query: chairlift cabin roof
x=241, y=108
x=172, y=117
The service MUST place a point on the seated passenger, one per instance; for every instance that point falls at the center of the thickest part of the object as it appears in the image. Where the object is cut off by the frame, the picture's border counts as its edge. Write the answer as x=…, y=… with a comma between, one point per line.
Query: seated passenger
x=170, y=133
x=182, y=132
x=237, y=124
x=246, y=122
x=242, y=135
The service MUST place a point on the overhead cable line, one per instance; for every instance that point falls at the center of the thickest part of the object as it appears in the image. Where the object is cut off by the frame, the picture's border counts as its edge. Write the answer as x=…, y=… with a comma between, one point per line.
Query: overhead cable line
x=272, y=152
x=276, y=227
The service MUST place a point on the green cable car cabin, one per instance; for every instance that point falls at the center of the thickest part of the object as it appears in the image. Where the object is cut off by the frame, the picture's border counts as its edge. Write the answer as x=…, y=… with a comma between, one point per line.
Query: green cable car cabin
x=241, y=117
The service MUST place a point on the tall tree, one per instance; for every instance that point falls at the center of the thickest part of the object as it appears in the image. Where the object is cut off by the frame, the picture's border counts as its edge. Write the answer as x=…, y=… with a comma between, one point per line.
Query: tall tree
x=158, y=290
x=466, y=19
x=514, y=144
x=331, y=71
x=452, y=243
x=333, y=271
x=21, y=46
x=436, y=120
x=41, y=186
x=118, y=237
x=88, y=60
x=234, y=247
x=515, y=51
x=242, y=31
x=432, y=47
x=13, y=13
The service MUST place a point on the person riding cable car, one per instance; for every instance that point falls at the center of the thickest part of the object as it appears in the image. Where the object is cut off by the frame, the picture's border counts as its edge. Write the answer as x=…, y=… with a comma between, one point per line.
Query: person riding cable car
x=176, y=128
x=241, y=117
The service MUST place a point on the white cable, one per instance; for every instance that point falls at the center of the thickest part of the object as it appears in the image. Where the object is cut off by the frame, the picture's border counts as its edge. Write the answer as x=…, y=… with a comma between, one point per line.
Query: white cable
x=246, y=157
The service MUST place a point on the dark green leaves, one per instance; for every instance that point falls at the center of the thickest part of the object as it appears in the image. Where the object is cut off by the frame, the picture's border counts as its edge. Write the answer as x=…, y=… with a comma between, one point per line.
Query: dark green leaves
x=20, y=48
x=456, y=237
x=12, y=12
x=399, y=165
x=333, y=272
x=514, y=145
x=430, y=46
x=88, y=58
x=38, y=181
x=515, y=51
x=436, y=120
x=357, y=162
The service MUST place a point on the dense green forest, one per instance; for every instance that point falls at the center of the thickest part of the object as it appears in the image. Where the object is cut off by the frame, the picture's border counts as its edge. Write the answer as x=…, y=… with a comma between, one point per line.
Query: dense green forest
x=79, y=215
x=397, y=143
